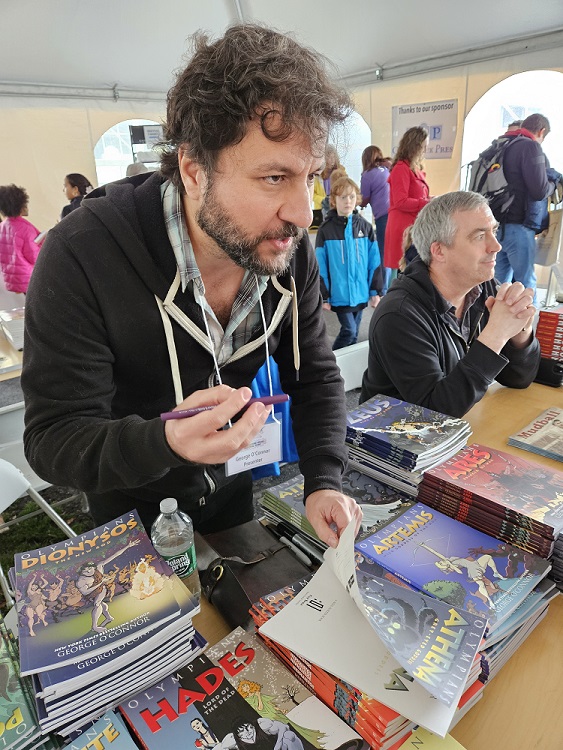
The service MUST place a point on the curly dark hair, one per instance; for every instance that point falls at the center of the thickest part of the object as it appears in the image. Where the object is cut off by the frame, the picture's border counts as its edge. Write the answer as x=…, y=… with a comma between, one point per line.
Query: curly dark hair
x=251, y=72
x=410, y=146
x=13, y=200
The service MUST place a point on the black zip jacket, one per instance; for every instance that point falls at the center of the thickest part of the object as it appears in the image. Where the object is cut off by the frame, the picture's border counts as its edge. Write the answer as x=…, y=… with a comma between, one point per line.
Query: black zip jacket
x=415, y=355
x=526, y=175
x=96, y=372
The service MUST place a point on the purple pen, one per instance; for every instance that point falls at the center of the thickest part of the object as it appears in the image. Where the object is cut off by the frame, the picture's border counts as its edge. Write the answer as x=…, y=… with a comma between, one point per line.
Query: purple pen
x=183, y=413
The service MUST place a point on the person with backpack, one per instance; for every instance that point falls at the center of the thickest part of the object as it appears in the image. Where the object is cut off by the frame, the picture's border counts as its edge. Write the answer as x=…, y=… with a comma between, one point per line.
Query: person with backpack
x=518, y=165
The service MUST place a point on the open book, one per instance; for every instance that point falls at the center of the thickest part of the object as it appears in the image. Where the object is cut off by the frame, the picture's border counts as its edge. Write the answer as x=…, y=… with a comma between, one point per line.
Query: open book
x=413, y=653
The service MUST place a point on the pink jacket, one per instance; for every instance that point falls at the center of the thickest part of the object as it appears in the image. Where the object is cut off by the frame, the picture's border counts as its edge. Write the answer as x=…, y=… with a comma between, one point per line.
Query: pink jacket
x=18, y=252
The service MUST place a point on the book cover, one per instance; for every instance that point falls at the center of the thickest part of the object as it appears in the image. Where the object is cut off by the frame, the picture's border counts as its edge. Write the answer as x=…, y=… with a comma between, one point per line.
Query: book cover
x=99, y=589
x=403, y=427
x=276, y=694
x=515, y=483
x=423, y=740
x=115, y=659
x=435, y=642
x=107, y=732
x=18, y=723
x=544, y=435
x=199, y=707
x=312, y=625
x=379, y=502
x=454, y=562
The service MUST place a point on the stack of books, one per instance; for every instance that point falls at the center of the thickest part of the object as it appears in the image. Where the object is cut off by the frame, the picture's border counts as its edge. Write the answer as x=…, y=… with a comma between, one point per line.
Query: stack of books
x=513, y=499
x=19, y=723
x=451, y=561
x=356, y=645
x=12, y=325
x=284, y=508
x=394, y=441
x=544, y=435
x=236, y=695
x=100, y=616
x=549, y=333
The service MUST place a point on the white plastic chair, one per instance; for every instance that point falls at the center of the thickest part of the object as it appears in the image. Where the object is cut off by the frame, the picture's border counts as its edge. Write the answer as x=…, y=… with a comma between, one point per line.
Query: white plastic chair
x=13, y=484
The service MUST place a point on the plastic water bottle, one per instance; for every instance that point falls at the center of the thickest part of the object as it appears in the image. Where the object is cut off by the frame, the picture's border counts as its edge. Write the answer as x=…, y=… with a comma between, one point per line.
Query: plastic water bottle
x=172, y=535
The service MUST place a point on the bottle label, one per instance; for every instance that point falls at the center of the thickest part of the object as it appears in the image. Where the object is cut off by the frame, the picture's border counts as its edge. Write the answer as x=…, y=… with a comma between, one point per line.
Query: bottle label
x=183, y=564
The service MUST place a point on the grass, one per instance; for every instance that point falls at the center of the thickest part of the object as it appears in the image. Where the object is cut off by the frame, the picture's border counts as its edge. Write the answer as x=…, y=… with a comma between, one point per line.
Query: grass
x=39, y=530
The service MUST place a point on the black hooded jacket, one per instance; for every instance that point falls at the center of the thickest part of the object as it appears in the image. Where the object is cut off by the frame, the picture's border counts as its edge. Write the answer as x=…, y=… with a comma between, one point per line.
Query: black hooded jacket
x=97, y=372
x=415, y=354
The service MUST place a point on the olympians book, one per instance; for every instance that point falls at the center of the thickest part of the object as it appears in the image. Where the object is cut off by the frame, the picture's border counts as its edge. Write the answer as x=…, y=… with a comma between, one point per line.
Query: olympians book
x=199, y=707
x=19, y=727
x=379, y=502
x=456, y=563
x=400, y=671
x=544, y=435
x=276, y=694
x=107, y=732
x=516, y=488
x=404, y=434
x=99, y=589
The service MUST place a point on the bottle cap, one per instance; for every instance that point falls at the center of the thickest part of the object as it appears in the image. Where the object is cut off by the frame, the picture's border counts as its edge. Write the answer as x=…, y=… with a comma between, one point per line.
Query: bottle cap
x=168, y=505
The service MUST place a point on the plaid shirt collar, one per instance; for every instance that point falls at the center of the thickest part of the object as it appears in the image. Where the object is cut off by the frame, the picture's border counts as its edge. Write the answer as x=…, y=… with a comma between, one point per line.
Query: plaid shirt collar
x=245, y=315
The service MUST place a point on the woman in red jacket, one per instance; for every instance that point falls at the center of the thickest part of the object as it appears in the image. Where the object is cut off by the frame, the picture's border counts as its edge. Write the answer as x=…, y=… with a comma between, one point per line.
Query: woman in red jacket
x=408, y=191
x=19, y=239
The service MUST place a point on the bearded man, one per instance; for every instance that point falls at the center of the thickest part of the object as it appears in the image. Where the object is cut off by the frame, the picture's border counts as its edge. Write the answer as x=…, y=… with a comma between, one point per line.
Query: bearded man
x=170, y=290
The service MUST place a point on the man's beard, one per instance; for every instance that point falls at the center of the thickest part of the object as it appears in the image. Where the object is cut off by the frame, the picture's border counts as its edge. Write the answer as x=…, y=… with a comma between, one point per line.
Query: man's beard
x=243, y=250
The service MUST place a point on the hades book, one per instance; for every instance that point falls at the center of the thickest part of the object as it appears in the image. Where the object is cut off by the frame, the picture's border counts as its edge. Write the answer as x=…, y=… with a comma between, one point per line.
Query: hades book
x=277, y=695
x=99, y=589
x=456, y=563
x=199, y=707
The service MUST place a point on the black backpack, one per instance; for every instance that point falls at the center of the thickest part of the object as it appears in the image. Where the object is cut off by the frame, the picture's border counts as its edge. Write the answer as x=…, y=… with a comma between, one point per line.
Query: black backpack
x=487, y=177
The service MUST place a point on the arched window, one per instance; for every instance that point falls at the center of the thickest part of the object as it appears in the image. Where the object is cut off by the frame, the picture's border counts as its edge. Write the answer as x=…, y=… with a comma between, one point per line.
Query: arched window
x=123, y=144
x=514, y=99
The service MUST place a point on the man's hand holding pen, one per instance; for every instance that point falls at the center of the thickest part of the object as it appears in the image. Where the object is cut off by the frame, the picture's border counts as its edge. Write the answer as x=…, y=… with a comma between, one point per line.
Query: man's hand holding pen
x=201, y=438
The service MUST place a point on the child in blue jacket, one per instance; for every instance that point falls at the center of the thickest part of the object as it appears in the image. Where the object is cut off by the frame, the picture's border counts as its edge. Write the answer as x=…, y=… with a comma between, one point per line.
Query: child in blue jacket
x=349, y=261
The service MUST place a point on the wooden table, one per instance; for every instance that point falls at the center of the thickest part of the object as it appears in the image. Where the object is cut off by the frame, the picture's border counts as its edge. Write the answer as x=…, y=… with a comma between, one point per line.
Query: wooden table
x=522, y=708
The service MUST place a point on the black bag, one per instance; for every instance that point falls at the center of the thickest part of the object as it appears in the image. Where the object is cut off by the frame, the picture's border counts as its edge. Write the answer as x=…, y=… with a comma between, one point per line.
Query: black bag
x=550, y=372
x=239, y=565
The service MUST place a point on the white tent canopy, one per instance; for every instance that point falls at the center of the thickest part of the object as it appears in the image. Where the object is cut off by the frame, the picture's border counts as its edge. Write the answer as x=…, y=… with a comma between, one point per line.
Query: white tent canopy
x=71, y=69
x=135, y=45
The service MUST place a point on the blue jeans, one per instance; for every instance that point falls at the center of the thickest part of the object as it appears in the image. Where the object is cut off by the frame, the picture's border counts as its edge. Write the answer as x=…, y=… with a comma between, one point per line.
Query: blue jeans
x=515, y=262
x=349, y=327
x=380, y=226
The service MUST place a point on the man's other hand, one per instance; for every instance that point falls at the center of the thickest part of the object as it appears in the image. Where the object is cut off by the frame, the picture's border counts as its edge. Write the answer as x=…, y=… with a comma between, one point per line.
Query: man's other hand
x=201, y=438
x=511, y=314
x=329, y=512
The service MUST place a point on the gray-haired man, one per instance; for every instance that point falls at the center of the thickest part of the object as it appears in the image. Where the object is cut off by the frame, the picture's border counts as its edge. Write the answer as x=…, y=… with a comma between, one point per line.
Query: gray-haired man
x=445, y=330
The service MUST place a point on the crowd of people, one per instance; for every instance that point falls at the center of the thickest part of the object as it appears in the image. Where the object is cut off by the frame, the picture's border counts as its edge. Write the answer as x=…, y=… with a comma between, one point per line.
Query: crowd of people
x=172, y=289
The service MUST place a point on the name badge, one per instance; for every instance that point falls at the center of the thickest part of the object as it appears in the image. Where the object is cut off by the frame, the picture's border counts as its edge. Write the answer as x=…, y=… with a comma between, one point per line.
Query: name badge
x=264, y=449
